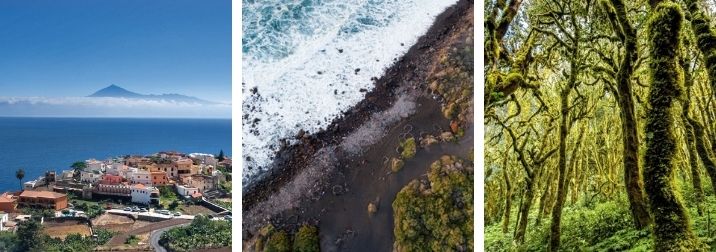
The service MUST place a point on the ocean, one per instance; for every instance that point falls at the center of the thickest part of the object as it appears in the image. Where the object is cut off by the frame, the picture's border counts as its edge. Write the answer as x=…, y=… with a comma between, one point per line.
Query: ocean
x=41, y=144
x=305, y=62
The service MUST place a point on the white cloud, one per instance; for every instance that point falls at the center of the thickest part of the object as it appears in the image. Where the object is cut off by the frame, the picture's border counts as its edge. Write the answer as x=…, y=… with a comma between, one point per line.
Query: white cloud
x=110, y=107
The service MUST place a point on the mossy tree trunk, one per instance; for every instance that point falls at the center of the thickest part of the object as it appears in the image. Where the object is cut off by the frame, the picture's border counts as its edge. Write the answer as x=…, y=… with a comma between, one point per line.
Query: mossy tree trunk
x=532, y=168
x=690, y=140
x=508, y=199
x=543, y=198
x=632, y=175
x=554, y=238
x=564, y=126
x=705, y=38
x=671, y=222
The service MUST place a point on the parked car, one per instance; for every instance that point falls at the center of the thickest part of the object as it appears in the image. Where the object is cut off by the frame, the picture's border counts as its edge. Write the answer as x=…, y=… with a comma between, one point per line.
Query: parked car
x=177, y=214
x=128, y=209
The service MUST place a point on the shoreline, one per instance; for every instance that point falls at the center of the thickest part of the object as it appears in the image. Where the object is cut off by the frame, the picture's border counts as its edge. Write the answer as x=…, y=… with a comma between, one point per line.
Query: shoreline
x=329, y=178
x=290, y=159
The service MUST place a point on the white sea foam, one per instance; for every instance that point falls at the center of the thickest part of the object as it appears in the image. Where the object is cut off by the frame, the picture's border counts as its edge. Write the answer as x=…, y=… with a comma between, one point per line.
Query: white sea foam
x=292, y=57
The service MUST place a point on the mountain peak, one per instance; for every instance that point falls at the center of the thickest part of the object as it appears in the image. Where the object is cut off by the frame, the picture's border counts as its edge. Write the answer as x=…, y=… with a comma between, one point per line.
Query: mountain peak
x=114, y=91
x=117, y=91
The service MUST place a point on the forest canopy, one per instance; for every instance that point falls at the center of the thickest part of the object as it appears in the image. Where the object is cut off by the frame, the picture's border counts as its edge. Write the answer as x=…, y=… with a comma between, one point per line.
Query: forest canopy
x=600, y=125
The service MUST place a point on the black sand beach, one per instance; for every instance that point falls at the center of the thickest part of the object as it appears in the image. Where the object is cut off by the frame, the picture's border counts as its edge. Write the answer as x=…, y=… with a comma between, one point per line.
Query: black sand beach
x=330, y=177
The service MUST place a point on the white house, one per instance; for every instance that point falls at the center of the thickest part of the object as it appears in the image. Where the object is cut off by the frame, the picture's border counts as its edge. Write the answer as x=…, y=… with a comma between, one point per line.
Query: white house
x=91, y=177
x=141, y=177
x=186, y=190
x=67, y=175
x=118, y=169
x=32, y=184
x=207, y=159
x=145, y=194
x=3, y=220
x=94, y=165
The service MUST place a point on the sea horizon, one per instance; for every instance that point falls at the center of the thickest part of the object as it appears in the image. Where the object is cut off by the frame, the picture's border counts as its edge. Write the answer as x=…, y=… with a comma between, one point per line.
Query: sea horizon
x=40, y=144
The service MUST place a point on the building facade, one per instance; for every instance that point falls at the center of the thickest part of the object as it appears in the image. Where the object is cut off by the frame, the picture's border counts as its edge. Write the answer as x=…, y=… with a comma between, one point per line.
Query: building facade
x=42, y=199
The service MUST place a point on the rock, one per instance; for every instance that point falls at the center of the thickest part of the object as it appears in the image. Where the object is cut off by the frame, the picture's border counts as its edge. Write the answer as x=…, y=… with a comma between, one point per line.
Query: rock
x=396, y=164
x=434, y=85
x=454, y=127
x=372, y=208
x=447, y=136
x=428, y=140
x=340, y=50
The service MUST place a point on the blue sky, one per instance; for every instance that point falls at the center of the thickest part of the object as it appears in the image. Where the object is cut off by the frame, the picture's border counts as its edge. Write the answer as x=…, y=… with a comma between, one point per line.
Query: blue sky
x=72, y=48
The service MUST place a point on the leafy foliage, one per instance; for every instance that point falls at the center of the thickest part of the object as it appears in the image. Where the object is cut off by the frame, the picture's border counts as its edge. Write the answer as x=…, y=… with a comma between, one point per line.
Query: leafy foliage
x=306, y=239
x=92, y=210
x=278, y=242
x=202, y=233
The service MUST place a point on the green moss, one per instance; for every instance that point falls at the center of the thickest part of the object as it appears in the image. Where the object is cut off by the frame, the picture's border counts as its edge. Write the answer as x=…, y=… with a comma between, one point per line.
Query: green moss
x=438, y=217
x=671, y=222
x=306, y=239
x=408, y=146
x=278, y=242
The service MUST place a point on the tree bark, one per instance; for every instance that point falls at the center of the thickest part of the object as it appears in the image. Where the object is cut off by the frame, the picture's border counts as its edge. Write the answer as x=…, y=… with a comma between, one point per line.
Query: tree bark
x=554, y=238
x=690, y=140
x=524, y=213
x=671, y=222
x=705, y=38
x=508, y=201
x=630, y=139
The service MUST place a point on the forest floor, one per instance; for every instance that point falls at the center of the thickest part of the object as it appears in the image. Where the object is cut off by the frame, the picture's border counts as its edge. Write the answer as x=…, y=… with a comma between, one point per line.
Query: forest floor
x=330, y=177
x=602, y=225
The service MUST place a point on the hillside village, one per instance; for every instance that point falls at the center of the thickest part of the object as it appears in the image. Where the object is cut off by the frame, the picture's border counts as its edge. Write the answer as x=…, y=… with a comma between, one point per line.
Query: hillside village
x=134, y=191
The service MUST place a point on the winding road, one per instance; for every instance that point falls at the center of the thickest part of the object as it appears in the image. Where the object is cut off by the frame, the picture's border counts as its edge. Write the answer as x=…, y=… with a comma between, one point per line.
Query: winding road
x=157, y=234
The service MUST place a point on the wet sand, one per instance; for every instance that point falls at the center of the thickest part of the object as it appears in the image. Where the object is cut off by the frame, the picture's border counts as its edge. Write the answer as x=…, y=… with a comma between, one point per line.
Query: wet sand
x=330, y=177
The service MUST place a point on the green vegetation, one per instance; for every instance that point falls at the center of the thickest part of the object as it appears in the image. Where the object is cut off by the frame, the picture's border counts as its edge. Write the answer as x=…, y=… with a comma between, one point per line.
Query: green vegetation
x=29, y=237
x=78, y=166
x=278, y=242
x=271, y=239
x=132, y=240
x=436, y=215
x=224, y=204
x=202, y=233
x=408, y=146
x=599, y=226
x=168, y=197
x=603, y=142
x=226, y=186
x=78, y=243
x=38, y=212
x=220, y=157
x=306, y=239
x=91, y=209
x=20, y=174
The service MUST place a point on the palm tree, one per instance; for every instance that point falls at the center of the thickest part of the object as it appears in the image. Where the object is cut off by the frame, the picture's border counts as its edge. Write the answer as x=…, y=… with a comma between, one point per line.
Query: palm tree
x=19, y=174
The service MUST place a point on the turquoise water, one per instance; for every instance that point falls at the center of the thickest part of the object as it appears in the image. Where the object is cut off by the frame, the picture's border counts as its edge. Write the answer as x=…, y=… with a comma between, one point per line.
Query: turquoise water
x=41, y=144
x=305, y=62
